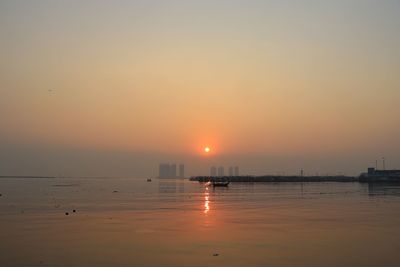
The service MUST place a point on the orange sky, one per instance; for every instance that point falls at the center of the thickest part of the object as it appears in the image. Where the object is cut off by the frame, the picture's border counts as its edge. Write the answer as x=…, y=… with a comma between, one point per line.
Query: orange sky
x=268, y=79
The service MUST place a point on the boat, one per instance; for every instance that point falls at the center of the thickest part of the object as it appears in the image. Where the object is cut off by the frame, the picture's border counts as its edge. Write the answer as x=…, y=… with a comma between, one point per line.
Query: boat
x=220, y=184
x=148, y=179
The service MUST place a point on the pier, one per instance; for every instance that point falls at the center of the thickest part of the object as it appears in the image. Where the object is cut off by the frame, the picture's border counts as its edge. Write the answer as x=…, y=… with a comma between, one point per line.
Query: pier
x=371, y=176
x=276, y=178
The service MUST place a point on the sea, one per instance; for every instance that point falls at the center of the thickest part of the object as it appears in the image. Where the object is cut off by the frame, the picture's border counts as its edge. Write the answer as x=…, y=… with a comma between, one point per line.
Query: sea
x=176, y=222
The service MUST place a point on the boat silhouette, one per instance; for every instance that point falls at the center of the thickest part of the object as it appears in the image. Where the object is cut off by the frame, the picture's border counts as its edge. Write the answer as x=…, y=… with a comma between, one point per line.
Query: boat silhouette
x=220, y=183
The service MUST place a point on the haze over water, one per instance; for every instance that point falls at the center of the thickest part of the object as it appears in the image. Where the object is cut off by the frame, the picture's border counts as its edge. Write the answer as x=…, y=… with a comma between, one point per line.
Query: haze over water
x=130, y=222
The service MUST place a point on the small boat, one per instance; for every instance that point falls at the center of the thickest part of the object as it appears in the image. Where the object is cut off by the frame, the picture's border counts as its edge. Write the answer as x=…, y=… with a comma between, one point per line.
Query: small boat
x=148, y=179
x=217, y=184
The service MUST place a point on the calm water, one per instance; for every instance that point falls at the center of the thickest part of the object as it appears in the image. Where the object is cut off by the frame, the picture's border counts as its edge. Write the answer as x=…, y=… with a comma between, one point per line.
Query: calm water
x=130, y=222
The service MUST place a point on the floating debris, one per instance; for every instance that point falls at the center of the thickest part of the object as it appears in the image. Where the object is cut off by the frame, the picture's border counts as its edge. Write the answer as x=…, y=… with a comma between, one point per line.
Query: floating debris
x=115, y=191
x=216, y=254
x=66, y=213
x=74, y=211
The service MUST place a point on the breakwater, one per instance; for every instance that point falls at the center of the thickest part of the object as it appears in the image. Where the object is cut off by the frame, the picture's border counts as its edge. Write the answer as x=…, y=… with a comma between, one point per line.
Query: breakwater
x=276, y=179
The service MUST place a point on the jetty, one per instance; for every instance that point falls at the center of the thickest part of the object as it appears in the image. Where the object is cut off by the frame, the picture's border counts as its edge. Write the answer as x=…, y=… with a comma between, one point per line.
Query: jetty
x=371, y=176
x=276, y=178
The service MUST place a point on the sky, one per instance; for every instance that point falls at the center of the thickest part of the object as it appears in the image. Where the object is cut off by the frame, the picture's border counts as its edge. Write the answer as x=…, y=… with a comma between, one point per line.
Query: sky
x=113, y=88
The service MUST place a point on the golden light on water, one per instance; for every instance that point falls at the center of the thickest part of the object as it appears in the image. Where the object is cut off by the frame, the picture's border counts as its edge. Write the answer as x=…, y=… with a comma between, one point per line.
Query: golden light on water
x=206, y=201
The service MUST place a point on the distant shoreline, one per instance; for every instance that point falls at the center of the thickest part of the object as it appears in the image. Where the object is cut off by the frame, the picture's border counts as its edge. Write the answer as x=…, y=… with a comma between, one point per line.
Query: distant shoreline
x=248, y=178
x=26, y=176
x=56, y=177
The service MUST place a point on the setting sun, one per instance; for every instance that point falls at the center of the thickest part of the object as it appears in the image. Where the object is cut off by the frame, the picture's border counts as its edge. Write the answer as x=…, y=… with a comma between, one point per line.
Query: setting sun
x=207, y=149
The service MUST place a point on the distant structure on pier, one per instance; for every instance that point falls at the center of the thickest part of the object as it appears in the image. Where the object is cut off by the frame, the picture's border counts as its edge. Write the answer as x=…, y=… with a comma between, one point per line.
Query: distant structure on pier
x=167, y=170
x=213, y=171
x=373, y=176
x=221, y=171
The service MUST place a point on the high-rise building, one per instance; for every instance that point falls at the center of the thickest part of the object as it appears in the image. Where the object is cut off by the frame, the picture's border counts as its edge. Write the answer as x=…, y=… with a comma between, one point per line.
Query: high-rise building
x=213, y=171
x=181, y=171
x=167, y=170
x=221, y=171
x=236, y=171
x=164, y=170
x=230, y=171
x=172, y=171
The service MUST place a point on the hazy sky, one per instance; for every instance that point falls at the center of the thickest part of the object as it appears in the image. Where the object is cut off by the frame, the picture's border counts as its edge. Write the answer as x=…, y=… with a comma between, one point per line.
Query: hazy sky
x=115, y=87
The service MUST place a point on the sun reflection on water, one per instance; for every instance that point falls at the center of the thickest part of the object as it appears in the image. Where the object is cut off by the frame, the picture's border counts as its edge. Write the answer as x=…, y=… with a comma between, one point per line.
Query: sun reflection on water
x=206, y=201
